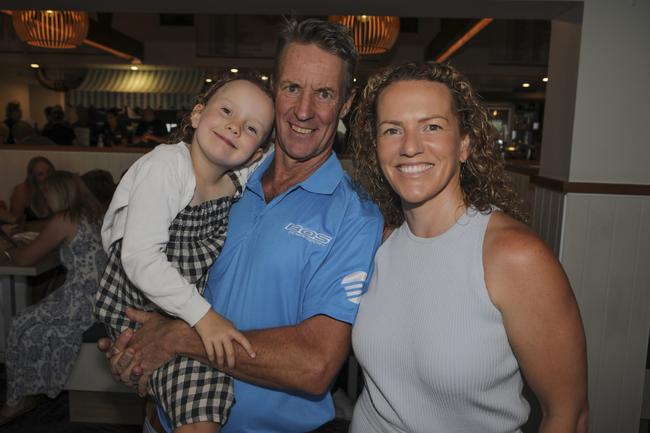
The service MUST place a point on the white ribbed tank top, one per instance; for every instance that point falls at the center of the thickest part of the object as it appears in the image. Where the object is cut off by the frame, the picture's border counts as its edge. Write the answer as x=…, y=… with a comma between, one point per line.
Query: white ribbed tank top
x=432, y=345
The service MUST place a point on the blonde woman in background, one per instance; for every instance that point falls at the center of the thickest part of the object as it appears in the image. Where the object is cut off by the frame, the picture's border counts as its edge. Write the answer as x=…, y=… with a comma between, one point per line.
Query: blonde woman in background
x=27, y=197
x=45, y=339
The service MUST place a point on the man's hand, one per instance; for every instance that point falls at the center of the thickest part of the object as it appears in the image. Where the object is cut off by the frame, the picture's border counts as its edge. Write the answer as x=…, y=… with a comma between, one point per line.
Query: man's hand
x=149, y=348
x=115, y=350
x=135, y=355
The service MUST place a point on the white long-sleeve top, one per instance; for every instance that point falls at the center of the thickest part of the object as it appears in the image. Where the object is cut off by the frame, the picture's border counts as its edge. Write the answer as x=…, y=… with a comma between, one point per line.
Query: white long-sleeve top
x=151, y=193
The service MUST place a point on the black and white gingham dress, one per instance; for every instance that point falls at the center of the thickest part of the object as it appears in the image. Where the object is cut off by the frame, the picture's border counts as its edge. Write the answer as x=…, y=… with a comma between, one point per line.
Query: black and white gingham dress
x=188, y=390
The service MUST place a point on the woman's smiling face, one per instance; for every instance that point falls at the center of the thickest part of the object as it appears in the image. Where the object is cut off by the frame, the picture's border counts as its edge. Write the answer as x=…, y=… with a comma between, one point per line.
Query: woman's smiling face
x=419, y=144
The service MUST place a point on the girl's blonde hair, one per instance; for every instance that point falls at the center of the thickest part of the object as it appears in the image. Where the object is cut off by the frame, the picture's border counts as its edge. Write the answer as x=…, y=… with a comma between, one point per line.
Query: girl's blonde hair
x=483, y=180
x=66, y=193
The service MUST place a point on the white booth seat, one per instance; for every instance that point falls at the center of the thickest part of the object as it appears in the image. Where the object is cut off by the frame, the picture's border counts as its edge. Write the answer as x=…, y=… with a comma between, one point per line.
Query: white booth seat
x=95, y=396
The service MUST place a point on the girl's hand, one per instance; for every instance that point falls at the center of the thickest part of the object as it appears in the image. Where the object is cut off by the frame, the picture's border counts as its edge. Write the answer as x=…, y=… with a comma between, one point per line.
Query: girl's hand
x=217, y=335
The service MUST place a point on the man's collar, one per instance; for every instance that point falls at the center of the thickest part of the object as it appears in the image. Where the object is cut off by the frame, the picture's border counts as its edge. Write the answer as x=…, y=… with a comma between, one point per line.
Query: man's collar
x=323, y=181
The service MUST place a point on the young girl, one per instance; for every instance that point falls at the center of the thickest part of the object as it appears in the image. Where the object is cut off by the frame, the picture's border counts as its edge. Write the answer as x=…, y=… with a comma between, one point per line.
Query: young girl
x=164, y=228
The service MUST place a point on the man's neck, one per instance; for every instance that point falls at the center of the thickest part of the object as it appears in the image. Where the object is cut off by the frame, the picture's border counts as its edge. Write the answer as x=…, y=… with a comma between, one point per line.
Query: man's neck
x=284, y=172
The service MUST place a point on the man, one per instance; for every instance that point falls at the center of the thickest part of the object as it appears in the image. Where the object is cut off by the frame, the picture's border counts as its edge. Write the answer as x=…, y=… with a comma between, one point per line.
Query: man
x=299, y=252
x=57, y=128
x=151, y=131
x=13, y=114
x=24, y=134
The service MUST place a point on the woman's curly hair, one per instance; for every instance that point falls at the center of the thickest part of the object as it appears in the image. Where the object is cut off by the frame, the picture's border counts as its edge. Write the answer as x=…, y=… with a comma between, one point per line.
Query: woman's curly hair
x=483, y=179
x=186, y=132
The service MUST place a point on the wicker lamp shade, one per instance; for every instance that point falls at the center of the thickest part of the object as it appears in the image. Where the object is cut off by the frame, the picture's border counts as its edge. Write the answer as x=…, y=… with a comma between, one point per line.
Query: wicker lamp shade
x=51, y=29
x=371, y=34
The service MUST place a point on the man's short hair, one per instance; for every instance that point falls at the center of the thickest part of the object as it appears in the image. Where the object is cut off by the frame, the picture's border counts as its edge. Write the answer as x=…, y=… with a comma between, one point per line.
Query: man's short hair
x=331, y=37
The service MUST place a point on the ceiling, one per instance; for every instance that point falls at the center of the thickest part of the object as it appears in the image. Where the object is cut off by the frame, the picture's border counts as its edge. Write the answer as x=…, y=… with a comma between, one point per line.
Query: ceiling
x=511, y=50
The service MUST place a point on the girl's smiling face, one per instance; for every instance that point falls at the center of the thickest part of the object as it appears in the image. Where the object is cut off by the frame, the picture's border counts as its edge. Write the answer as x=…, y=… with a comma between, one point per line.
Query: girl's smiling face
x=233, y=124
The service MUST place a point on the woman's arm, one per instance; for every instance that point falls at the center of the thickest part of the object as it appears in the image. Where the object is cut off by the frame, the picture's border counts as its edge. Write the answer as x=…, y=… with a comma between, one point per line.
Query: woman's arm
x=19, y=199
x=528, y=285
x=6, y=217
x=55, y=232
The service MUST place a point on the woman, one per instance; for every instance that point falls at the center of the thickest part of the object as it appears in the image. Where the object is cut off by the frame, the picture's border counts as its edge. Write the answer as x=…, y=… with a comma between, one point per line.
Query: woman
x=27, y=198
x=464, y=299
x=45, y=339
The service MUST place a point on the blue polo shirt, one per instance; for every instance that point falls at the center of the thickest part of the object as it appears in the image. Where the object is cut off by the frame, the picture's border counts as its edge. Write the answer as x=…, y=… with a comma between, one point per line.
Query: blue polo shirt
x=309, y=251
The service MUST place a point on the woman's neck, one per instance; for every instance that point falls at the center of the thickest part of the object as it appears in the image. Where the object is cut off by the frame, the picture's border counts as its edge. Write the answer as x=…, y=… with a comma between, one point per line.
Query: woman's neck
x=435, y=216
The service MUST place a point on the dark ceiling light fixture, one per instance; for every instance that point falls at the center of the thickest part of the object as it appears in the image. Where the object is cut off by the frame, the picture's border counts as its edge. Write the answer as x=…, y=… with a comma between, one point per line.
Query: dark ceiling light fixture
x=371, y=34
x=473, y=31
x=58, y=29
x=60, y=81
x=51, y=28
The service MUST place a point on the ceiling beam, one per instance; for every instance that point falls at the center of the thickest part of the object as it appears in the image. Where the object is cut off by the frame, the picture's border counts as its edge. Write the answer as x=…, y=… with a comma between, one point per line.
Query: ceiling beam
x=451, y=30
x=103, y=37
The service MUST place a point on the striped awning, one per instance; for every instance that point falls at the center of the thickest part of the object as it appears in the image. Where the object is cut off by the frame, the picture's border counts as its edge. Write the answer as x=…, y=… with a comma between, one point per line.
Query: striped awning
x=159, y=89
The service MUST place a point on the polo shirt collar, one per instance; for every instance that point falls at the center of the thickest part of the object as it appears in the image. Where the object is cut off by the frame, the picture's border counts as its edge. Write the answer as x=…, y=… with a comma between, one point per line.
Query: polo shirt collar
x=322, y=181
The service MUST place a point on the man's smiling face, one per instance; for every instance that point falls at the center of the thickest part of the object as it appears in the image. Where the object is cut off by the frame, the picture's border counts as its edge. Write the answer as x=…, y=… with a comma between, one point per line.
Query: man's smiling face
x=309, y=100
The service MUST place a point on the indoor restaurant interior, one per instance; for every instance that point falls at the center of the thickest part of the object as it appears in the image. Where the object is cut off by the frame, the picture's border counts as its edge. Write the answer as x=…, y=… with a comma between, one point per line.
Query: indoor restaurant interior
x=566, y=88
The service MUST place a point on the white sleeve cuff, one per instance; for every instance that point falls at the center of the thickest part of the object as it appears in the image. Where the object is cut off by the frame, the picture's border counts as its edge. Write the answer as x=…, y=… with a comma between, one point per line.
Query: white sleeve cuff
x=194, y=309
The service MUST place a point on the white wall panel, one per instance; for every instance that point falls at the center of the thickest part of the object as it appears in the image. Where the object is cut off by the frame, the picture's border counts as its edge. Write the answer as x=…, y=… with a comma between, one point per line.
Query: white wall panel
x=546, y=216
x=606, y=255
x=605, y=250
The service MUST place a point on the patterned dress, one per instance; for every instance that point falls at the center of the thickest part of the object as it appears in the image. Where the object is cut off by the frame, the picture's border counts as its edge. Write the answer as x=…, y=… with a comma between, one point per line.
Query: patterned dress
x=44, y=340
x=188, y=390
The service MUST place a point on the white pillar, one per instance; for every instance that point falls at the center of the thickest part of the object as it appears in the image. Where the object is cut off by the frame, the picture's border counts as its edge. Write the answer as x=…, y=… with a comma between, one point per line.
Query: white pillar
x=596, y=131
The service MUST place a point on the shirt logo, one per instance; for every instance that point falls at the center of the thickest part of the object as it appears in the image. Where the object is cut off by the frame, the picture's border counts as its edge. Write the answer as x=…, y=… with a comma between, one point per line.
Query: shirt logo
x=353, y=285
x=309, y=234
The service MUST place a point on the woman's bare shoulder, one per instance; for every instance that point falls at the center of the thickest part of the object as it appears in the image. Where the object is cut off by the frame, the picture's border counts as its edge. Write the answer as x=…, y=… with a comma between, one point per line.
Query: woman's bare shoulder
x=516, y=261
x=21, y=188
x=509, y=239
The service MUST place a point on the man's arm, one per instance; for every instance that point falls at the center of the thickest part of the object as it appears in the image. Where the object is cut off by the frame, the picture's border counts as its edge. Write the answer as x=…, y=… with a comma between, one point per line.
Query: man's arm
x=305, y=357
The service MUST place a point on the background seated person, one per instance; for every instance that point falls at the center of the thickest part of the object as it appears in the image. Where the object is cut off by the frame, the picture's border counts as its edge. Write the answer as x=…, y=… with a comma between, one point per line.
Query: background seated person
x=27, y=198
x=86, y=130
x=24, y=134
x=151, y=131
x=113, y=132
x=13, y=115
x=45, y=339
x=57, y=129
x=101, y=184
